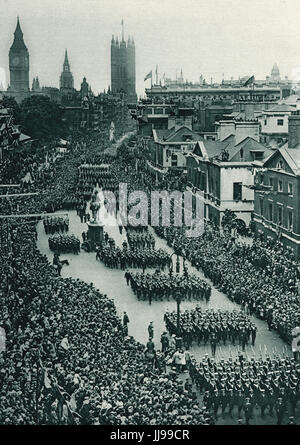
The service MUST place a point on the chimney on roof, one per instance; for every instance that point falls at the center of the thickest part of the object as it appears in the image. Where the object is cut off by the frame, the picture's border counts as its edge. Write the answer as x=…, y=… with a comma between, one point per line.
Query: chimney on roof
x=294, y=129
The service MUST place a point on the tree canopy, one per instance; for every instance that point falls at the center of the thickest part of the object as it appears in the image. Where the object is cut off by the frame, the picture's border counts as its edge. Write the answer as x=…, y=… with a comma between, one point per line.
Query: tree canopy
x=41, y=118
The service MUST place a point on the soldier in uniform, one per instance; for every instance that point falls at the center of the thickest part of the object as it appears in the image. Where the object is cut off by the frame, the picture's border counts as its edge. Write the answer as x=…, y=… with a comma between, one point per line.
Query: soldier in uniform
x=248, y=410
x=125, y=323
x=280, y=410
x=271, y=400
x=231, y=401
x=164, y=342
x=239, y=401
x=263, y=403
x=213, y=344
x=151, y=330
x=253, y=334
x=216, y=402
x=224, y=400
x=207, y=400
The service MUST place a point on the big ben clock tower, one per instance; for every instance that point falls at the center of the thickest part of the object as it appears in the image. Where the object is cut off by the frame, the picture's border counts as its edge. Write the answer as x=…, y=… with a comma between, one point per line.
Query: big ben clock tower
x=19, y=63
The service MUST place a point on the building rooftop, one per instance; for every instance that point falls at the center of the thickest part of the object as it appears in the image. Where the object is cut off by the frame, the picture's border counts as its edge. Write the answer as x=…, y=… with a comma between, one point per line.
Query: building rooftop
x=182, y=134
x=282, y=107
x=290, y=155
x=213, y=149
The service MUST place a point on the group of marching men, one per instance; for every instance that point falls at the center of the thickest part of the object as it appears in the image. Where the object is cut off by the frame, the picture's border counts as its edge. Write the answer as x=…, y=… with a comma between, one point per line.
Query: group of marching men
x=159, y=285
x=253, y=386
x=91, y=176
x=216, y=326
x=114, y=257
x=53, y=224
x=64, y=243
x=140, y=240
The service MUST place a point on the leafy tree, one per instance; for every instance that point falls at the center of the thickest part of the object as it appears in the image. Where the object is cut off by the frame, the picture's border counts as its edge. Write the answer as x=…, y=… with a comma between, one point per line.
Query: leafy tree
x=10, y=102
x=41, y=118
x=228, y=219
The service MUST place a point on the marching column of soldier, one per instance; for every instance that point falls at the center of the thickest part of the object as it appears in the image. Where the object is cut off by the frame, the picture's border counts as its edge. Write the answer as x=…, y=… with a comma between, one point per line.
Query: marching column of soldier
x=53, y=224
x=252, y=387
x=234, y=387
x=159, y=286
x=114, y=257
x=140, y=239
x=215, y=326
x=64, y=243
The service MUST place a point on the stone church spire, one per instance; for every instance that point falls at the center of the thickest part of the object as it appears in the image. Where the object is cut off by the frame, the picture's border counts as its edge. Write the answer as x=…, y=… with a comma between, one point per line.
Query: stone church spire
x=66, y=62
x=66, y=78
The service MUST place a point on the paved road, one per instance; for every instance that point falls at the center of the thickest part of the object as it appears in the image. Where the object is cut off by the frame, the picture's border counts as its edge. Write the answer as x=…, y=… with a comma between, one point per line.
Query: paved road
x=112, y=283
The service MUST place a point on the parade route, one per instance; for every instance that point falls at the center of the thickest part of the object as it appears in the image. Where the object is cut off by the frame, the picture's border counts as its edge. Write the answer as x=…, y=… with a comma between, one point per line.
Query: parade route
x=111, y=282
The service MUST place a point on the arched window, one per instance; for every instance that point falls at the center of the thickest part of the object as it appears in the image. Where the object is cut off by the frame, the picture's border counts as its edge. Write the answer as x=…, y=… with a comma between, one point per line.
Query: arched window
x=280, y=165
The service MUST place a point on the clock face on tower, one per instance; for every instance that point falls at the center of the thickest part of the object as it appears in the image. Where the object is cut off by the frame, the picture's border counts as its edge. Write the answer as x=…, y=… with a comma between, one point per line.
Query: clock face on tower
x=15, y=61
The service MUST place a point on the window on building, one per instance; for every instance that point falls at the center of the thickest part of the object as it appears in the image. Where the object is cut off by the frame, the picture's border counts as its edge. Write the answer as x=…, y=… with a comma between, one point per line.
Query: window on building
x=237, y=191
x=265, y=122
x=174, y=160
x=270, y=211
x=290, y=219
x=280, y=165
x=271, y=183
x=261, y=205
x=279, y=215
x=280, y=186
x=290, y=189
x=258, y=155
x=280, y=122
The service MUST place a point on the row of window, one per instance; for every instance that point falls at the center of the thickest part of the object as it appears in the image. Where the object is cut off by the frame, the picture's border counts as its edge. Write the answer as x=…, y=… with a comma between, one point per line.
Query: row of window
x=200, y=179
x=278, y=214
x=280, y=122
x=280, y=186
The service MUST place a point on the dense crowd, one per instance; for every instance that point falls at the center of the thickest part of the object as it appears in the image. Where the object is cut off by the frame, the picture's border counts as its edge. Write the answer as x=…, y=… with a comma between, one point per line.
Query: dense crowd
x=201, y=326
x=261, y=276
x=67, y=358
x=63, y=243
x=53, y=224
x=249, y=386
x=236, y=269
x=159, y=286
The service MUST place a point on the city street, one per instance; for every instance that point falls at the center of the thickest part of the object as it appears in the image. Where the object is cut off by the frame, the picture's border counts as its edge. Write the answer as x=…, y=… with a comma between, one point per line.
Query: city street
x=112, y=283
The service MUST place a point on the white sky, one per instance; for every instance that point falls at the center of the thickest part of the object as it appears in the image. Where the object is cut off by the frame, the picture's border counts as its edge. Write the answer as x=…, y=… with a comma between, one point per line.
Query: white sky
x=234, y=37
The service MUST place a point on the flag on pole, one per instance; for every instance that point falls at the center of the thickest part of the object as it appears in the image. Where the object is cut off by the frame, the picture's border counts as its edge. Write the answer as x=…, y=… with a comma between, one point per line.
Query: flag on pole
x=149, y=76
x=250, y=81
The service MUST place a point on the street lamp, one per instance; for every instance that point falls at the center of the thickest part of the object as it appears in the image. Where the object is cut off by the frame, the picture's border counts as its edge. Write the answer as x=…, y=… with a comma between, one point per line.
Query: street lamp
x=178, y=302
